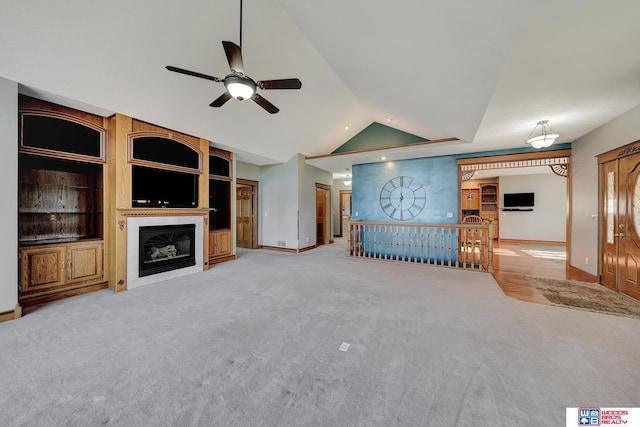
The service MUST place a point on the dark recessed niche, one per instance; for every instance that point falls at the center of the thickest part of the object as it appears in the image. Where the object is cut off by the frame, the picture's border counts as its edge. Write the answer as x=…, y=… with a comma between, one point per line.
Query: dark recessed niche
x=219, y=166
x=164, y=150
x=219, y=204
x=157, y=188
x=53, y=133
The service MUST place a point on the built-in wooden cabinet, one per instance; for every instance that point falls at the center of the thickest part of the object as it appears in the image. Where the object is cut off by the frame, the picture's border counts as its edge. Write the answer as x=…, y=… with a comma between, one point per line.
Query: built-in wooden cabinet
x=219, y=243
x=61, y=200
x=489, y=205
x=50, y=269
x=470, y=199
x=220, y=195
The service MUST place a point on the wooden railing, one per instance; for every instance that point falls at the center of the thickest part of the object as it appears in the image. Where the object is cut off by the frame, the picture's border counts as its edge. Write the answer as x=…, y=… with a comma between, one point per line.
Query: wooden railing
x=464, y=246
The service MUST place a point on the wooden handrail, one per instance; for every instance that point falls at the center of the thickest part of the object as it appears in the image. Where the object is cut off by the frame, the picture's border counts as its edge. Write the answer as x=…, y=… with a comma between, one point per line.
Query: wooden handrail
x=464, y=246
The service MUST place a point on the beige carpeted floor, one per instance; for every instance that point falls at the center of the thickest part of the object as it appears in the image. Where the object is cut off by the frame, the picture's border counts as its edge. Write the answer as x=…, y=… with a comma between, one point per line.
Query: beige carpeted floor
x=256, y=342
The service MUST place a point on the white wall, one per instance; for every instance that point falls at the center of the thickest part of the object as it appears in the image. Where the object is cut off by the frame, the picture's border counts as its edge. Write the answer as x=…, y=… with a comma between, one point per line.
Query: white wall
x=584, y=177
x=9, y=194
x=279, y=204
x=287, y=195
x=547, y=221
x=247, y=171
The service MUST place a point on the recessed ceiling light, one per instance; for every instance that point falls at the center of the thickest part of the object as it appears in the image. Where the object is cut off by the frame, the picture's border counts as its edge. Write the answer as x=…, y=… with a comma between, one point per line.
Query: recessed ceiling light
x=389, y=119
x=346, y=127
x=383, y=158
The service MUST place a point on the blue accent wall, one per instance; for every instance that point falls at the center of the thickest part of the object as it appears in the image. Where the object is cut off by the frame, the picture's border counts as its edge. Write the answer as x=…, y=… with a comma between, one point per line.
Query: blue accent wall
x=438, y=175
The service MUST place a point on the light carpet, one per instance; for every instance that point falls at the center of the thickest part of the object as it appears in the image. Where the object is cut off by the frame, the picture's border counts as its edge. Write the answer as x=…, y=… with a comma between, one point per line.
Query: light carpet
x=255, y=342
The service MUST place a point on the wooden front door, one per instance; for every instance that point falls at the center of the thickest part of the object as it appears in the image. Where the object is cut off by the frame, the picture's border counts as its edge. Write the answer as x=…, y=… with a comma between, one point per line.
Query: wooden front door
x=629, y=226
x=620, y=222
x=244, y=215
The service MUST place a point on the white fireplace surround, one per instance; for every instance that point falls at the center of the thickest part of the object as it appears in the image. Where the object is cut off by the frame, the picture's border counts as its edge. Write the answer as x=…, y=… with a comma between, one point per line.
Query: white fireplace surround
x=133, y=246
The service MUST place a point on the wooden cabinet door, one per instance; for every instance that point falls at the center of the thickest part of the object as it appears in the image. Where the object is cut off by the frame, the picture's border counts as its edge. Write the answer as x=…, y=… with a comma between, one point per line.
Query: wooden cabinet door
x=219, y=243
x=42, y=268
x=223, y=243
x=470, y=199
x=84, y=261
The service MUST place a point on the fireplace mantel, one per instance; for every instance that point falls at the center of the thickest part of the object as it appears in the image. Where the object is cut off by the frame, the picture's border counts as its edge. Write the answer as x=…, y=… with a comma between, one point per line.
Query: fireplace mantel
x=127, y=212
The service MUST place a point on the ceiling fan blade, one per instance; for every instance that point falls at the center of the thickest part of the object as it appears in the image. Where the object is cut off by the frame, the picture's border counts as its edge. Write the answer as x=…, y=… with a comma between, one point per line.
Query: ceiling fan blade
x=192, y=73
x=219, y=102
x=265, y=104
x=234, y=56
x=280, y=84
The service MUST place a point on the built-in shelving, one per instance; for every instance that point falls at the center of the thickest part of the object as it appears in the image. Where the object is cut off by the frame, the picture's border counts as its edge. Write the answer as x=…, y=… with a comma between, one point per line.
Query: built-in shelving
x=489, y=205
x=60, y=203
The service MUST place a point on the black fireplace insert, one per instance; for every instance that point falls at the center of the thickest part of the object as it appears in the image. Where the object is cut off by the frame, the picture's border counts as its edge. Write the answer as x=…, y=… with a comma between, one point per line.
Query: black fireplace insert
x=165, y=248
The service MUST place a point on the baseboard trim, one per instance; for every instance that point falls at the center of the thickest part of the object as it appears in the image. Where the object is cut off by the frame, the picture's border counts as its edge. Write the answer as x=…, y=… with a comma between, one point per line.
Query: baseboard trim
x=223, y=259
x=11, y=314
x=532, y=242
x=276, y=248
x=591, y=277
x=289, y=250
x=41, y=299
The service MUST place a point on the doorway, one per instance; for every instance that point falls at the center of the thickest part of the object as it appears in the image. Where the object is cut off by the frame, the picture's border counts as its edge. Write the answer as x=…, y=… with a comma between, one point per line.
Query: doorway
x=558, y=162
x=345, y=210
x=246, y=219
x=619, y=224
x=323, y=214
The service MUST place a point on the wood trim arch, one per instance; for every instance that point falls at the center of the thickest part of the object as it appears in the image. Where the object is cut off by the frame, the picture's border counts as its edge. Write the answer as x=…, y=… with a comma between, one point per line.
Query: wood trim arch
x=131, y=137
x=66, y=116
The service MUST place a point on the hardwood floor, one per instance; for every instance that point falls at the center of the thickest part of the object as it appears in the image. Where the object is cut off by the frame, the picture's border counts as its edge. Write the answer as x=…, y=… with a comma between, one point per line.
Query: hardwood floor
x=514, y=260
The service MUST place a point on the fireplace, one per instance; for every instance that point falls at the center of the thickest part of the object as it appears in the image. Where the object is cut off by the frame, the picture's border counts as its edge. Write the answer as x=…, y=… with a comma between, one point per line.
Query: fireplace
x=165, y=248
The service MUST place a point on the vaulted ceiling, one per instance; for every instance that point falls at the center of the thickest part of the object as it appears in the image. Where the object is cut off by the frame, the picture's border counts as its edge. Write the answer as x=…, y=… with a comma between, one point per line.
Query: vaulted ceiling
x=483, y=71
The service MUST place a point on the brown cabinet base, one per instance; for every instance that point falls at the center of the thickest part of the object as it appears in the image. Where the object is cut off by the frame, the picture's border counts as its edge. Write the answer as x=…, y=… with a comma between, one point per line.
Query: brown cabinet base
x=220, y=246
x=56, y=270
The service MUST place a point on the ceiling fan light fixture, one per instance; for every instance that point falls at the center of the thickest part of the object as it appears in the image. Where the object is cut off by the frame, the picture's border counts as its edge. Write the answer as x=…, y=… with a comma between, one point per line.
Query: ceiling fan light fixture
x=544, y=139
x=240, y=88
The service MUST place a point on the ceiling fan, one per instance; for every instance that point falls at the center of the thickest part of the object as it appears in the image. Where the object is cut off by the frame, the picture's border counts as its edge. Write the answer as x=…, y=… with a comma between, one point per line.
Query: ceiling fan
x=239, y=85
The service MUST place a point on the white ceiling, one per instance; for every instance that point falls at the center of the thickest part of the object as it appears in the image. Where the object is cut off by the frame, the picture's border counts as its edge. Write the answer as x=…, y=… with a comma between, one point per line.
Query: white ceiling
x=483, y=71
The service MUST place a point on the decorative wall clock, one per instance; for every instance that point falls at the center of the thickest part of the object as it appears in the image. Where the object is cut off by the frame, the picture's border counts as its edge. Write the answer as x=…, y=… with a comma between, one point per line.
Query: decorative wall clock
x=402, y=198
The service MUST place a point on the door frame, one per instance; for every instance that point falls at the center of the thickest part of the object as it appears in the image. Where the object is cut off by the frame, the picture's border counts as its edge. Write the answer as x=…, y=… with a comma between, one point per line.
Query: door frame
x=350, y=192
x=534, y=158
x=254, y=208
x=327, y=229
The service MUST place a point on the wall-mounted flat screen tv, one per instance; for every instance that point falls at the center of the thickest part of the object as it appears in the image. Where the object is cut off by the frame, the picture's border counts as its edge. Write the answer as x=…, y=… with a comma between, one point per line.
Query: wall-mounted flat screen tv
x=518, y=200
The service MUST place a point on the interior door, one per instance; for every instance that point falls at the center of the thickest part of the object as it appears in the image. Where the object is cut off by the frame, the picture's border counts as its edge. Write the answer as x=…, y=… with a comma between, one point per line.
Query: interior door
x=320, y=215
x=609, y=224
x=244, y=216
x=629, y=226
